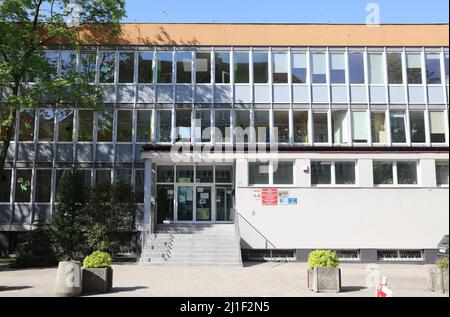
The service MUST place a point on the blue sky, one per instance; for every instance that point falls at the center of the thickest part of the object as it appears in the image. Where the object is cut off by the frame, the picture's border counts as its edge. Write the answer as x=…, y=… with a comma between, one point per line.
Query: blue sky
x=324, y=11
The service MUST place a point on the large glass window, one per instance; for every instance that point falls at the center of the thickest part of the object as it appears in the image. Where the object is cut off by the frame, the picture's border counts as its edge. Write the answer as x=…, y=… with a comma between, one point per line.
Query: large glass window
x=43, y=185
x=26, y=126
x=223, y=126
x=299, y=68
x=46, y=124
x=222, y=61
x=345, y=173
x=184, y=67
x=433, y=65
x=280, y=68
x=107, y=67
x=164, y=67
x=123, y=175
x=301, y=127
x=102, y=177
x=437, y=126
x=139, y=186
x=5, y=189
x=88, y=65
x=185, y=174
x=126, y=67
x=398, y=124
x=340, y=126
x=283, y=173
x=442, y=173
x=320, y=122
x=124, y=125
x=85, y=125
x=23, y=186
x=241, y=68
x=406, y=173
x=203, y=68
x=378, y=123
x=356, y=68
x=242, y=123
x=183, y=125
x=204, y=174
x=164, y=126
x=144, y=126
x=224, y=174
x=395, y=69
x=376, y=68
x=320, y=173
x=417, y=126
x=260, y=67
x=105, y=126
x=359, y=127
x=203, y=125
x=281, y=124
x=65, y=125
x=52, y=60
x=337, y=71
x=68, y=62
x=4, y=113
x=262, y=126
x=319, y=74
x=446, y=65
x=258, y=173
x=145, y=67
x=414, y=68
x=165, y=174
x=383, y=173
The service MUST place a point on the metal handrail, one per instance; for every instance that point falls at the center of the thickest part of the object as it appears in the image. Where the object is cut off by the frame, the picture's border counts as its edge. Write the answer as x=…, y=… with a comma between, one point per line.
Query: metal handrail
x=236, y=229
x=267, y=241
x=147, y=228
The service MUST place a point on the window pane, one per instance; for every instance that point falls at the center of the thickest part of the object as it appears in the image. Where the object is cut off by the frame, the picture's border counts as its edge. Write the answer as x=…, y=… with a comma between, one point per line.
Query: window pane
x=46, y=124
x=52, y=60
x=85, y=125
x=417, y=126
x=104, y=126
x=337, y=71
x=258, y=173
x=65, y=125
x=433, y=64
x=126, y=68
x=222, y=68
x=183, y=124
x=262, y=125
x=43, y=186
x=242, y=123
x=164, y=126
x=26, y=126
x=165, y=174
x=359, y=126
x=446, y=68
x=261, y=68
x=102, y=177
x=340, y=126
x=283, y=173
x=88, y=64
x=241, y=68
x=184, y=67
x=442, y=172
x=378, y=122
x=414, y=69
x=320, y=122
x=376, y=68
x=139, y=186
x=407, y=173
x=224, y=174
x=23, y=186
x=345, y=173
x=395, y=73
x=301, y=127
x=383, y=173
x=203, y=125
x=144, y=125
x=107, y=66
x=185, y=174
x=87, y=177
x=356, y=68
x=280, y=68
x=4, y=114
x=320, y=173
x=281, y=125
x=68, y=62
x=319, y=75
x=299, y=69
x=124, y=125
x=5, y=189
x=223, y=126
x=437, y=123
x=164, y=68
x=204, y=174
x=203, y=68
x=398, y=133
x=124, y=175
x=145, y=67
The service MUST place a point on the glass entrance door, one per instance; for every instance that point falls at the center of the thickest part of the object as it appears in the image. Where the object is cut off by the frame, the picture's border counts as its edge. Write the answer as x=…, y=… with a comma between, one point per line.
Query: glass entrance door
x=185, y=210
x=203, y=199
x=224, y=204
x=164, y=203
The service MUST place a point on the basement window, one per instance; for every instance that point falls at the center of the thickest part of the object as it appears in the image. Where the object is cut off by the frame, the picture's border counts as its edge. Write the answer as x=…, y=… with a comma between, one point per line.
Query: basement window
x=400, y=255
x=269, y=255
x=348, y=255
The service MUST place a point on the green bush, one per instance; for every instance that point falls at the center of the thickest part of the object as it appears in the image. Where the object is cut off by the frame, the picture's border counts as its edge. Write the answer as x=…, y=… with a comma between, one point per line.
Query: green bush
x=322, y=258
x=443, y=263
x=97, y=259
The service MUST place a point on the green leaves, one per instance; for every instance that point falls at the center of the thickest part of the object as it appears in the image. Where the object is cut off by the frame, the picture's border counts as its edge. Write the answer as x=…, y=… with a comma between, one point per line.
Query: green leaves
x=97, y=259
x=322, y=258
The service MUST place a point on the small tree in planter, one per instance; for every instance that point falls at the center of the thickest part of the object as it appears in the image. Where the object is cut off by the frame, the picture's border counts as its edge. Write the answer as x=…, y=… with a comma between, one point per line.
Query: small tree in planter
x=438, y=276
x=97, y=273
x=323, y=271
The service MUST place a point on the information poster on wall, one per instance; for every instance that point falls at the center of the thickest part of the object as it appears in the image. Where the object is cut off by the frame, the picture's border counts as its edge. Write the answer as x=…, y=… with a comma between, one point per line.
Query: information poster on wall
x=269, y=196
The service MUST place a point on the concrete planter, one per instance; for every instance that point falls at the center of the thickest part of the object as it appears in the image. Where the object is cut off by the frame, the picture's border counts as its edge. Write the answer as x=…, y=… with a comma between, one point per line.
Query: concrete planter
x=324, y=279
x=68, y=279
x=438, y=280
x=97, y=281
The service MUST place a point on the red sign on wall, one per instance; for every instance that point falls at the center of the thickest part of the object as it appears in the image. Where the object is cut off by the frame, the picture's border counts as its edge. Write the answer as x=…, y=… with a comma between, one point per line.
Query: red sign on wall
x=269, y=196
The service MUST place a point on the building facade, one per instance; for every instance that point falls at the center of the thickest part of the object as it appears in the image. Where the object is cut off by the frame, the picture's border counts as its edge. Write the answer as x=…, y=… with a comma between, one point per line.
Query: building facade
x=307, y=136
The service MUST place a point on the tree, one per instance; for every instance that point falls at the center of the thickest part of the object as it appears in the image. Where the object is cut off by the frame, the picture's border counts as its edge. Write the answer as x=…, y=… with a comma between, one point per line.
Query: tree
x=26, y=75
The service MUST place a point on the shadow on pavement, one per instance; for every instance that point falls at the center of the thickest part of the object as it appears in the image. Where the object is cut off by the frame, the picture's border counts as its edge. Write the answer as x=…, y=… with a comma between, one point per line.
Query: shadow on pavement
x=349, y=289
x=13, y=288
x=127, y=289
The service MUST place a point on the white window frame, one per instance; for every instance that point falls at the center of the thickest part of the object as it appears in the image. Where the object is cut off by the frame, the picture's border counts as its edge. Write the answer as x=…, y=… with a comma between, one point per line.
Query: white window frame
x=395, y=173
x=271, y=172
x=333, y=173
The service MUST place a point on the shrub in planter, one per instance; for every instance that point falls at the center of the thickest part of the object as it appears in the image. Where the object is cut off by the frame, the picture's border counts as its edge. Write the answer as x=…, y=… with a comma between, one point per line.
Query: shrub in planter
x=323, y=271
x=438, y=276
x=97, y=273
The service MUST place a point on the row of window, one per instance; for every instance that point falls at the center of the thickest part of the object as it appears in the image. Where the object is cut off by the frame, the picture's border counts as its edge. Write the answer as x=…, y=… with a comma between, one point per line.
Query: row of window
x=259, y=67
x=342, y=173
x=277, y=126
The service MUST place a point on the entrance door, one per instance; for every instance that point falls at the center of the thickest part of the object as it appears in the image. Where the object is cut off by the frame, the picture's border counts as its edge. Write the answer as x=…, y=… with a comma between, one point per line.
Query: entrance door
x=224, y=204
x=164, y=203
x=185, y=210
x=203, y=207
